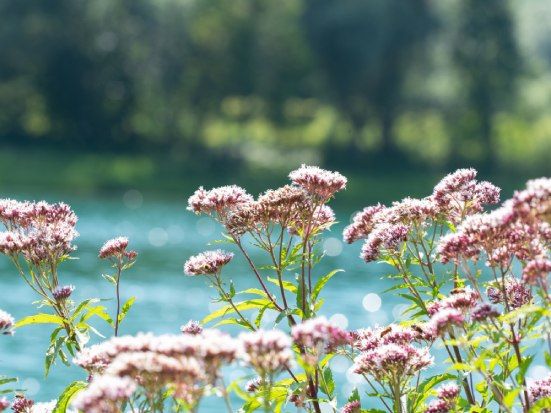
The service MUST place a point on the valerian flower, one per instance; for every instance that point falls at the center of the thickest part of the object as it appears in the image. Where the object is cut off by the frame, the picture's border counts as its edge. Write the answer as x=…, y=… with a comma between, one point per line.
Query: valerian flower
x=319, y=182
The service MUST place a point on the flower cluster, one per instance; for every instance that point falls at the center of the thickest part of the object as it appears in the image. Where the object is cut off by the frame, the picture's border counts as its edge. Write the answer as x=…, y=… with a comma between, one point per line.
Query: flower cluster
x=388, y=354
x=512, y=293
x=22, y=405
x=63, y=293
x=192, y=327
x=105, y=394
x=266, y=351
x=352, y=407
x=539, y=389
x=207, y=263
x=40, y=231
x=536, y=271
x=4, y=404
x=447, y=396
x=116, y=248
x=184, y=363
x=319, y=335
x=218, y=200
x=6, y=323
x=319, y=182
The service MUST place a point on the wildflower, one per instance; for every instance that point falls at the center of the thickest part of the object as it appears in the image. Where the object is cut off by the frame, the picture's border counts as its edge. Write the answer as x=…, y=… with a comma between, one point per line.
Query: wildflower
x=362, y=224
x=352, y=407
x=439, y=406
x=484, y=312
x=4, y=404
x=153, y=370
x=533, y=203
x=22, y=405
x=448, y=391
x=244, y=219
x=42, y=232
x=208, y=262
x=319, y=182
x=116, y=248
x=192, y=327
x=322, y=218
x=444, y=319
x=461, y=299
x=383, y=237
x=284, y=205
x=266, y=351
x=319, y=334
x=536, y=271
x=63, y=293
x=10, y=243
x=104, y=394
x=513, y=293
x=218, y=200
x=6, y=323
x=389, y=362
x=254, y=384
x=539, y=389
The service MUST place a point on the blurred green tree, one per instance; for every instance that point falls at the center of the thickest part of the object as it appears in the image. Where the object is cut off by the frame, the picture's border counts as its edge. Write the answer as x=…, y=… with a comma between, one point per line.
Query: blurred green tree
x=366, y=49
x=488, y=60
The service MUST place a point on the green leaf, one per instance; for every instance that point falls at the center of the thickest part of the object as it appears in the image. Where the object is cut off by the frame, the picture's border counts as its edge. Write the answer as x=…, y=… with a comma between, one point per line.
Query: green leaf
x=241, y=306
x=126, y=308
x=321, y=283
x=287, y=285
x=65, y=398
x=328, y=383
x=39, y=319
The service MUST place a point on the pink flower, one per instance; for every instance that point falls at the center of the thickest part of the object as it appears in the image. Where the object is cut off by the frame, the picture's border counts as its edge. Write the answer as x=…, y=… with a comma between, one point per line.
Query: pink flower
x=444, y=319
x=539, y=389
x=266, y=351
x=448, y=391
x=352, y=407
x=319, y=182
x=319, y=334
x=63, y=293
x=484, y=312
x=218, y=200
x=115, y=247
x=6, y=323
x=192, y=327
x=384, y=237
x=389, y=362
x=22, y=405
x=208, y=262
x=362, y=224
x=439, y=406
x=536, y=271
x=322, y=218
x=105, y=394
x=516, y=293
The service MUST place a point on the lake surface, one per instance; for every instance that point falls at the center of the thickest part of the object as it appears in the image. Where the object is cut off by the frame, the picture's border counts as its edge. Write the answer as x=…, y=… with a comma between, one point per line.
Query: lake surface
x=165, y=235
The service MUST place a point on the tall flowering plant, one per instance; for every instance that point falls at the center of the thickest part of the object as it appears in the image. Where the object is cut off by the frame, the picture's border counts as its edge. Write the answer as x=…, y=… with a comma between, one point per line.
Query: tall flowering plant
x=476, y=284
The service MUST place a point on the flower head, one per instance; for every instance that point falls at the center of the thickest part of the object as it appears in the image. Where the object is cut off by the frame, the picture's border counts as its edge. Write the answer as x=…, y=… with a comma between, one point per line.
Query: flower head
x=362, y=224
x=63, y=293
x=192, y=327
x=218, y=200
x=4, y=404
x=352, y=407
x=539, y=389
x=439, y=406
x=513, y=293
x=208, y=262
x=319, y=335
x=22, y=405
x=6, y=323
x=448, y=391
x=266, y=351
x=116, y=248
x=104, y=394
x=483, y=312
x=536, y=271
x=319, y=182
x=384, y=237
